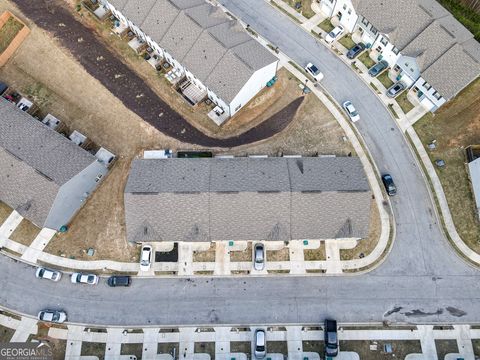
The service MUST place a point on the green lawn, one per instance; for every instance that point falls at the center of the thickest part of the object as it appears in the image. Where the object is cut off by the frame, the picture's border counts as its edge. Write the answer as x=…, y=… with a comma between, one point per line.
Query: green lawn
x=384, y=79
x=455, y=126
x=326, y=25
x=347, y=41
x=305, y=9
x=8, y=33
x=366, y=60
x=404, y=103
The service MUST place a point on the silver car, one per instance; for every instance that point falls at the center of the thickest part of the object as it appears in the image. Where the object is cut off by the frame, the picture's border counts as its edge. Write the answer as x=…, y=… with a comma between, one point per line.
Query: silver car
x=79, y=278
x=395, y=89
x=260, y=344
x=259, y=256
x=44, y=273
x=53, y=316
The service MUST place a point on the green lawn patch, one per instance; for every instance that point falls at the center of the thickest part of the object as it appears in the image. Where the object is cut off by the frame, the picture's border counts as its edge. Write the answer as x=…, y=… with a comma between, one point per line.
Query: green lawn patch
x=284, y=11
x=384, y=79
x=394, y=113
x=347, y=41
x=8, y=32
x=455, y=126
x=305, y=9
x=403, y=102
x=326, y=25
x=366, y=60
x=375, y=88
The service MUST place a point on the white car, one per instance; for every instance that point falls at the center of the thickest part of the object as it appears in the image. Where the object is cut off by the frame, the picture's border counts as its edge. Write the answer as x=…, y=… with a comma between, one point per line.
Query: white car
x=53, y=316
x=334, y=34
x=43, y=273
x=351, y=111
x=146, y=258
x=79, y=278
x=314, y=71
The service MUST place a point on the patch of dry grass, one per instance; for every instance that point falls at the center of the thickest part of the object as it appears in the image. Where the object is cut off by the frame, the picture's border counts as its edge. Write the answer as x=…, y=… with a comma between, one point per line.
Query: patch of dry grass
x=8, y=32
x=25, y=233
x=245, y=255
x=5, y=212
x=455, y=126
x=205, y=256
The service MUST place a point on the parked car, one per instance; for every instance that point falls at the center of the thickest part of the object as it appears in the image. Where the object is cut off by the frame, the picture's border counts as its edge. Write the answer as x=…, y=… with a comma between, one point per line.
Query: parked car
x=314, y=71
x=331, y=338
x=259, y=258
x=260, y=344
x=44, y=273
x=119, y=280
x=351, y=111
x=355, y=51
x=334, y=34
x=377, y=68
x=3, y=88
x=389, y=184
x=54, y=316
x=79, y=278
x=146, y=258
x=395, y=89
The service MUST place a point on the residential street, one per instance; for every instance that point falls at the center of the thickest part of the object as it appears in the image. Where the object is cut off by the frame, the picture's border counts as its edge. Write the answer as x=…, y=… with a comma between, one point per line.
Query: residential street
x=421, y=281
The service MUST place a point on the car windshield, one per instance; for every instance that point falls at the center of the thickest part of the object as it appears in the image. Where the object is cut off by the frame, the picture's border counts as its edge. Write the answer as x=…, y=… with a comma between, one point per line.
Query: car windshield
x=56, y=316
x=91, y=278
x=260, y=348
x=314, y=69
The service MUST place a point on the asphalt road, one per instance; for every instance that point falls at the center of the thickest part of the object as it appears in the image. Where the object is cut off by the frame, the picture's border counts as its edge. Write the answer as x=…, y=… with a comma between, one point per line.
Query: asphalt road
x=421, y=281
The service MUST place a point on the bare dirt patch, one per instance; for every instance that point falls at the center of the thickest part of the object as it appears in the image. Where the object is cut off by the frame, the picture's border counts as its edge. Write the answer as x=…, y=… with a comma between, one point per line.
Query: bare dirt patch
x=245, y=255
x=5, y=334
x=400, y=348
x=205, y=256
x=278, y=255
x=445, y=347
x=25, y=233
x=315, y=254
x=100, y=224
x=5, y=212
x=366, y=246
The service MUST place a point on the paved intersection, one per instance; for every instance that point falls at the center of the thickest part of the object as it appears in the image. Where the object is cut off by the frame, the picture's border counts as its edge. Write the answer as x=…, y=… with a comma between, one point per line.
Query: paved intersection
x=422, y=280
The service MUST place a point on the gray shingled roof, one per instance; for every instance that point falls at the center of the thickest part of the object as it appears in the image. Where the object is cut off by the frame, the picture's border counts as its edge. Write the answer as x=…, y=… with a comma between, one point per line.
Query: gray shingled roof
x=452, y=72
x=444, y=50
x=180, y=27
x=246, y=199
x=35, y=161
x=50, y=153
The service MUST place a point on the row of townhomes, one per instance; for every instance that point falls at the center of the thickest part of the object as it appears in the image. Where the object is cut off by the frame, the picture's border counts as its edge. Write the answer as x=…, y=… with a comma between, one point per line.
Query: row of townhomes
x=425, y=46
x=278, y=199
x=45, y=176
x=212, y=51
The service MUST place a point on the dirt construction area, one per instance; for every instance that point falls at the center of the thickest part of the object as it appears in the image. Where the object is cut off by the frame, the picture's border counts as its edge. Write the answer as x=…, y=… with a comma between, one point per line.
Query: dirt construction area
x=46, y=72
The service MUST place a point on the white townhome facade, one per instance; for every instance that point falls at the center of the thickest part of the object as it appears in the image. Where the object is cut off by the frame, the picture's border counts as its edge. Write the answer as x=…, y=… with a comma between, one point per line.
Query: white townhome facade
x=427, y=48
x=203, y=44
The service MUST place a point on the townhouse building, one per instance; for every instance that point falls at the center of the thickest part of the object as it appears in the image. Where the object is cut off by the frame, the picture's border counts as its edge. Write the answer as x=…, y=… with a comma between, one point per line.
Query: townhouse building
x=426, y=47
x=211, y=51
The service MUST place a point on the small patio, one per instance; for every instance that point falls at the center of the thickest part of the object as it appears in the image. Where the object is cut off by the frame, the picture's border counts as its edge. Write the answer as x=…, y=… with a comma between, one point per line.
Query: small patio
x=192, y=93
x=218, y=115
x=137, y=44
x=119, y=28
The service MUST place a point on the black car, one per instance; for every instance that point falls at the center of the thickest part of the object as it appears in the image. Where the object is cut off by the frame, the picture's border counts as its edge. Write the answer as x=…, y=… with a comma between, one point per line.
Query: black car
x=377, y=68
x=118, y=280
x=355, y=51
x=389, y=184
x=395, y=89
x=331, y=338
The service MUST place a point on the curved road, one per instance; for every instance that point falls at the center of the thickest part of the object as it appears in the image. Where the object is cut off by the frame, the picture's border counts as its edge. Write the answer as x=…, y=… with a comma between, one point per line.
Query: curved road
x=422, y=280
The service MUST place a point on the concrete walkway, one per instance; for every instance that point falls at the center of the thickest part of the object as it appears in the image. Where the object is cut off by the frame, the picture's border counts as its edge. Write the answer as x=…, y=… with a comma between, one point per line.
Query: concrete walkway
x=74, y=342
x=427, y=341
x=9, y=226
x=39, y=243
x=25, y=328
